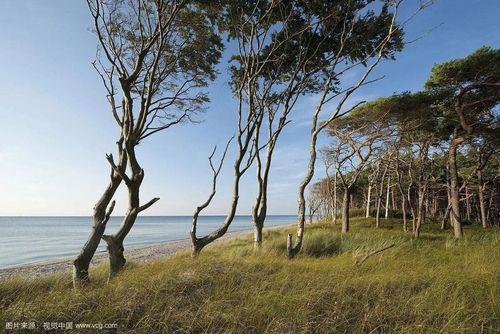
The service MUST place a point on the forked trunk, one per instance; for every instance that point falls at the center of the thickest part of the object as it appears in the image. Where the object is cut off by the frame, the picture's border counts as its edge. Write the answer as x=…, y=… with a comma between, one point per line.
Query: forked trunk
x=115, y=242
x=259, y=217
x=101, y=216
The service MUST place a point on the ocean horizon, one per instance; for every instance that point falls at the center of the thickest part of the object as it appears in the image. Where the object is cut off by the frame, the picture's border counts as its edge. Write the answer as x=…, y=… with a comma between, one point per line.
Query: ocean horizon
x=29, y=239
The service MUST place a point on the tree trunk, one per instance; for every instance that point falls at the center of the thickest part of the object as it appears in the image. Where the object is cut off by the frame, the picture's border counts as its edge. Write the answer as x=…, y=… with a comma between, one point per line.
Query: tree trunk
x=467, y=203
x=403, y=208
x=259, y=216
x=82, y=262
x=368, y=200
x=482, y=204
x=448, y=207
x=345, y=210
x=257, y=236
x=393, y=200
x=402, y=193
x=335, y=199
x=115, y=242
x=455, y=219
x=200, y=243
x=379, y=203
x=412, y=209
x=421, y=210
x=293, y=248
x=445, y=217
x=379, y=196
x=387, y=196
x=116, y=258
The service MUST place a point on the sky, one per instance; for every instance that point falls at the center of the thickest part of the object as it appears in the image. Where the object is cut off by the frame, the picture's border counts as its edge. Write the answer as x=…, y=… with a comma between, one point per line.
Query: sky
x=55, y=127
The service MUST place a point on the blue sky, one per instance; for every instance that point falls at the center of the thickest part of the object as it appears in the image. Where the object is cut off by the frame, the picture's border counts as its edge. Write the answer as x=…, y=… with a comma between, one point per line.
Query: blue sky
x=55, y=127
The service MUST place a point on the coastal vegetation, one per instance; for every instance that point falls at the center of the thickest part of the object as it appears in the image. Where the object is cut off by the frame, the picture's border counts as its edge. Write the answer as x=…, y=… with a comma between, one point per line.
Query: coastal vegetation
x=431, y=284
x=155, y=58
x=412, y=177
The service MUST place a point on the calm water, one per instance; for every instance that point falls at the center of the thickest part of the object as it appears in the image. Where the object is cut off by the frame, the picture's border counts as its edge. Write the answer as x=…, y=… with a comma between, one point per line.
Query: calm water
x=31, y=239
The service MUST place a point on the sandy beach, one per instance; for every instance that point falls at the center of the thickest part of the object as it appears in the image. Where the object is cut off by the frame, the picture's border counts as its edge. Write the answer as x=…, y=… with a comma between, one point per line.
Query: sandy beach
x=136, y=254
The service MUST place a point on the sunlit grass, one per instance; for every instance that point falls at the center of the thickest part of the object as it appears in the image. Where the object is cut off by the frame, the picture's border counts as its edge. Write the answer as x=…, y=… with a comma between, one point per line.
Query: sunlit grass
x=434, y=284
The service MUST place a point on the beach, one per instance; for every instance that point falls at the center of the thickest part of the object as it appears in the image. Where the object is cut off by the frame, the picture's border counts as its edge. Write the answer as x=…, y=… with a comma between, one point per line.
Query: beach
x=135, y=254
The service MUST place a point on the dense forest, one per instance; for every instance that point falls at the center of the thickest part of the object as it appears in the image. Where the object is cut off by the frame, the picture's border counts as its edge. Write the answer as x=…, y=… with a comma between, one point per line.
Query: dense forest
x=423, y=155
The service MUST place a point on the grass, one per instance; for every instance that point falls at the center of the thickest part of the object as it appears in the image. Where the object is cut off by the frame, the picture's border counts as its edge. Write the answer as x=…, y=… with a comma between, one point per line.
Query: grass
x=431, y=285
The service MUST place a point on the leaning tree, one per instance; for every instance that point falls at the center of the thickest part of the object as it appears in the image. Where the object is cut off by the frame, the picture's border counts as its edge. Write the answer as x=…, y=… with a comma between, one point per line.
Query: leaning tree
x=471, y=89
x=283, y=48
x=359, y=35
x=154, y=57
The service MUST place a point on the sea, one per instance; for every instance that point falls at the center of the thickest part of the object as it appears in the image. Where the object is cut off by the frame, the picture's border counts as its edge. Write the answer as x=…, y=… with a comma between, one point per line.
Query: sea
x=25, y=240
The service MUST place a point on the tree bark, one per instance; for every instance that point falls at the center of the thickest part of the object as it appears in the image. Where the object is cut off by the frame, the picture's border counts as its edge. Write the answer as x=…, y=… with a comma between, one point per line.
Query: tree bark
x=345, y=210
x=368, y=200
x=482, y=205
x=116, y=258
x=403, y=197
x=421, y=209
x=293, y=249
x=455, y=218
x=259, y=213
x=467, y=203
x=448, y=207
x=200, y=243
x=115, y=242
x=100, y=218
x=387, y=196
x=379, y=197
x=412, y=208
x=335, y=199
x=379, y=203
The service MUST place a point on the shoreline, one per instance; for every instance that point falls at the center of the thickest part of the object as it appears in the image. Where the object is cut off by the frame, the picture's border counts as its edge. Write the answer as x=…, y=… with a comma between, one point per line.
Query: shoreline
x=136, y=254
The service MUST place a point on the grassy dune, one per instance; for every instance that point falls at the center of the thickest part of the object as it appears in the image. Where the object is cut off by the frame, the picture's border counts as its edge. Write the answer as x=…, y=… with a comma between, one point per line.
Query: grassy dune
x=431, y=285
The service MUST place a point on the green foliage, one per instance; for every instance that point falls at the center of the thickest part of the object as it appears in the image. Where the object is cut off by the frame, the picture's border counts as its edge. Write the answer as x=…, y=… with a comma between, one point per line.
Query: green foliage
x=433, y=284
x=469, y=90
x=481, y=66
x=303, y=39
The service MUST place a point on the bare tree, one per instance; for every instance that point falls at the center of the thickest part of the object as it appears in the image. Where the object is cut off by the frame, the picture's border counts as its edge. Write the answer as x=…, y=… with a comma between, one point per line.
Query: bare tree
x=154, y=57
